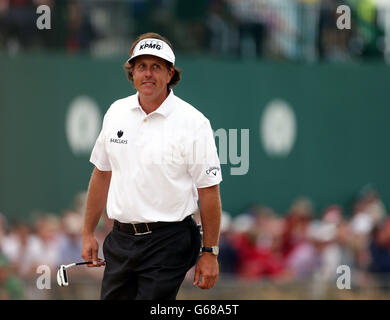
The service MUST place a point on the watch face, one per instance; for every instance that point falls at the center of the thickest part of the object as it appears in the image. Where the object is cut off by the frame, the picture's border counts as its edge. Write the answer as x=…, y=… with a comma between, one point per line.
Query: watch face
x=213, y=250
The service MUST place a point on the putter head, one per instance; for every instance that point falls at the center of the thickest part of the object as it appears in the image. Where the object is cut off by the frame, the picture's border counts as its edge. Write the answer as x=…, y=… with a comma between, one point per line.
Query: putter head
x=62, y=276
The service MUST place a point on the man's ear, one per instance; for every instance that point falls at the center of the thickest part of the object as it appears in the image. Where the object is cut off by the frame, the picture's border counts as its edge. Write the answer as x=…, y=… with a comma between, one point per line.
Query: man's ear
x=171, y=73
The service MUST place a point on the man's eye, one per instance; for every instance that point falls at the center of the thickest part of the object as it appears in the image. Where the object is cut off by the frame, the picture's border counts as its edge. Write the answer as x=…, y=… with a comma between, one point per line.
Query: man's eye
x=156, y=66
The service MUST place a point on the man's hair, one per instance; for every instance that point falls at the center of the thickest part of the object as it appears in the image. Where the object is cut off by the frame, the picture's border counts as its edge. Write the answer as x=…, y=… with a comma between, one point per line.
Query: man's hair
x=128, y=66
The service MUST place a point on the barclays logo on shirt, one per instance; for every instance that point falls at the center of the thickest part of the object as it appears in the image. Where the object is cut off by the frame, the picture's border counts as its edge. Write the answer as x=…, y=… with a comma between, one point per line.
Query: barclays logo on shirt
x=120, y=141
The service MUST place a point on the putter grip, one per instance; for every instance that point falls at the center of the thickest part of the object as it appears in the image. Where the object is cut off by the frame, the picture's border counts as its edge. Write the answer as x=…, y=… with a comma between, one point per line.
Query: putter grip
x=85, y=262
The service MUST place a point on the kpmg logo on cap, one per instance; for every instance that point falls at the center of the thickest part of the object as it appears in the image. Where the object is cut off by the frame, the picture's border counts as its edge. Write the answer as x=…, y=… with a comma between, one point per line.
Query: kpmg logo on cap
x=151, y=44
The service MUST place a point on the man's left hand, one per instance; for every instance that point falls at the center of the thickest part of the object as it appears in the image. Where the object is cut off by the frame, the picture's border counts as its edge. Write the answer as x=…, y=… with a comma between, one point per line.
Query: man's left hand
x=206, y=271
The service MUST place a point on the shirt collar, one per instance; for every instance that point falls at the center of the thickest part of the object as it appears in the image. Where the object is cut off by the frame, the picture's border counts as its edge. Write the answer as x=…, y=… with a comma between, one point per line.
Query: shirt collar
x=165, y=109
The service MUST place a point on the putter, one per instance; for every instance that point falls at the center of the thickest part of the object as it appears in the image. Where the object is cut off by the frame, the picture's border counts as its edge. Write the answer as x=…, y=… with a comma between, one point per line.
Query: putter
x=62, y=275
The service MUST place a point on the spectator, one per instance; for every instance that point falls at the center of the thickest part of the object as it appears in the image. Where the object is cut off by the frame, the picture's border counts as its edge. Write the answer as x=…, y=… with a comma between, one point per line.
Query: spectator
x=70, y=242
x=338, y=250
x=223, y=35
x=379, y=249
x=284, y=28
x=17, y=23
x=80, y=31
x=252, y=17
x=11, y=287
x=228, y=256
x=15, y=243
x=332, y=42
x=297, y=220
x=42, y=247
x=383, y=10
x=370, y=202
x=308, y=28
x=2, y=227
x=367, y=31
x=254, y=261
x=304, y=258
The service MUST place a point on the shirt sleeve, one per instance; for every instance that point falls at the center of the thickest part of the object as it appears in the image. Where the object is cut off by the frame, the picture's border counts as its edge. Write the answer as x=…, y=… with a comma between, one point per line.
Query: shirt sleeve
x=203, y=162
x=99, y=155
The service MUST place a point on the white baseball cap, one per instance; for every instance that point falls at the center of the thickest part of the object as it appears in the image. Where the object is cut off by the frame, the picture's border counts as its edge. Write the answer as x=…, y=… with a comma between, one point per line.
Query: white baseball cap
x=154, y=47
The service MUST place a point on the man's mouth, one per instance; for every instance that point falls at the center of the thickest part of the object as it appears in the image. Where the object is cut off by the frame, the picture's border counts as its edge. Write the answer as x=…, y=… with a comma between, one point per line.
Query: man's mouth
x=148, y=83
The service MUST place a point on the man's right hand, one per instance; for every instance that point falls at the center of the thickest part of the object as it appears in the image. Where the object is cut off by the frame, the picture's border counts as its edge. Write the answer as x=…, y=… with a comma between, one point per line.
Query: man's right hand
x=89, y=251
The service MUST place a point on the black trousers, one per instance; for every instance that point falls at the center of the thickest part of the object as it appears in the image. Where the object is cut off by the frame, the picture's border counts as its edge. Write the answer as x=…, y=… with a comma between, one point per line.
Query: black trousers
x=151, y=266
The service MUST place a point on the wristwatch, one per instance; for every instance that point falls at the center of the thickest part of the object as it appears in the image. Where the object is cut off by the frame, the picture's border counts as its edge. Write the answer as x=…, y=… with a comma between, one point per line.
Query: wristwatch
x=213, y=250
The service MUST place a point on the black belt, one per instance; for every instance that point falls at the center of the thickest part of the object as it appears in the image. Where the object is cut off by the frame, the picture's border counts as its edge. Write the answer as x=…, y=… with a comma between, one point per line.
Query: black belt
x=143, y=228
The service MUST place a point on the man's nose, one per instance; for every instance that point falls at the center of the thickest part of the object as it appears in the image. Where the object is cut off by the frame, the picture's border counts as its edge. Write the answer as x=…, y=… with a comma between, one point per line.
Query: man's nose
x=148, y=72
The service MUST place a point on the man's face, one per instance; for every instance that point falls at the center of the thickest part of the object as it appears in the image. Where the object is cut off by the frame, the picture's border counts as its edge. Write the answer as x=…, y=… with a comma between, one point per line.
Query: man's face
x=151, y=76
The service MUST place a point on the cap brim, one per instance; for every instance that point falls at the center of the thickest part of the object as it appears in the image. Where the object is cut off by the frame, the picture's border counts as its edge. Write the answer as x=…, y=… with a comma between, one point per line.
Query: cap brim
x=151, y=53
x=153, y=47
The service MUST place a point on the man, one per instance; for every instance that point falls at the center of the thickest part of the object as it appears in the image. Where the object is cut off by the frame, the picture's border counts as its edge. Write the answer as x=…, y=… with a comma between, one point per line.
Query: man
x=154, y=158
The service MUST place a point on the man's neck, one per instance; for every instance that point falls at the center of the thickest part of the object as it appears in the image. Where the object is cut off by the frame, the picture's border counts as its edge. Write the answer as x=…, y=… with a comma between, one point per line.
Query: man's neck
x=151, y=104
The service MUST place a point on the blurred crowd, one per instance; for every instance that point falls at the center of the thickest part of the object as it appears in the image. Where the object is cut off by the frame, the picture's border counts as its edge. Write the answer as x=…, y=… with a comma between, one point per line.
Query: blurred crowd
x=291, y=30
x=255, y=245
x=302, y=245
x=44, y=239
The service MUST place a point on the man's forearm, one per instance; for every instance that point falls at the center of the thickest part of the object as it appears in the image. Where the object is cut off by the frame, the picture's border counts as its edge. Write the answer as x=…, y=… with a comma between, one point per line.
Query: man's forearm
x=96, y=199
x=210, y=213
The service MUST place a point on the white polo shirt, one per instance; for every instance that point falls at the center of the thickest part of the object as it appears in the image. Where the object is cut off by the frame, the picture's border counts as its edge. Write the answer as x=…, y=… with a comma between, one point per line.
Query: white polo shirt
x=158, y=160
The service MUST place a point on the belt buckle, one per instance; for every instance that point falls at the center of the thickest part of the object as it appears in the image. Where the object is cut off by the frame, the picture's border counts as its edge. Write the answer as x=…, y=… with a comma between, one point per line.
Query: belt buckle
x=136, y=233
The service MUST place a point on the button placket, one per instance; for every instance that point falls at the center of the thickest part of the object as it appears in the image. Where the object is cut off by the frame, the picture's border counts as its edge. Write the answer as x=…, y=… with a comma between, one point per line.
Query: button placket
x=141, y=136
